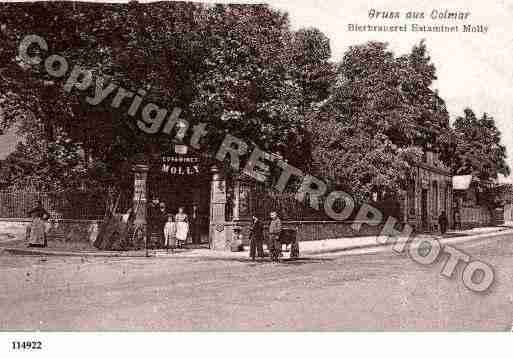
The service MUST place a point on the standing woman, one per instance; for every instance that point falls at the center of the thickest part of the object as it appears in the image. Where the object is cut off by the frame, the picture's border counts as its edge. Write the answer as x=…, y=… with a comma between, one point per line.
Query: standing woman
x=182, y=226
x=256, y=238
x=36, y=232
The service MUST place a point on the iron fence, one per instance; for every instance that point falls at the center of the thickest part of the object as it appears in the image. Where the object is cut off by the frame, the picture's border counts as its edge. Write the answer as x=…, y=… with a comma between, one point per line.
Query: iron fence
x=61, y=205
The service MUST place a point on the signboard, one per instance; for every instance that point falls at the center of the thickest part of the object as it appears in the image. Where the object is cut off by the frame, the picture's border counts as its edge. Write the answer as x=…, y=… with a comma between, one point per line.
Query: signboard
x=181, y=165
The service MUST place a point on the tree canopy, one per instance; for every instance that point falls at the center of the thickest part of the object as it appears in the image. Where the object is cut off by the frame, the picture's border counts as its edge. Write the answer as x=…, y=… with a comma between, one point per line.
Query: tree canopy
x=238, y=68
x=380, y=115
x=360, y=124
x=478, y=150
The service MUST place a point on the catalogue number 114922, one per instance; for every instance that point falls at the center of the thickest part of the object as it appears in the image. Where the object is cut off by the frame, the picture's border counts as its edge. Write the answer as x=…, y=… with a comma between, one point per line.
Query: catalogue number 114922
x=26, y=345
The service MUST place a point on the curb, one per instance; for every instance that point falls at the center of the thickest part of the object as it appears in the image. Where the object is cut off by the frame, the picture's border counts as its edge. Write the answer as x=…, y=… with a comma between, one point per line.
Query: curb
x=448, y=240
x=35, y=252
x=22, y=251
x=25, y=251
x=336, y=250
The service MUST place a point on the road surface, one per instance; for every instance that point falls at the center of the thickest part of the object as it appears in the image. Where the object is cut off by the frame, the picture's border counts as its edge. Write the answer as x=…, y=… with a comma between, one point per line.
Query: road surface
x=363, y=291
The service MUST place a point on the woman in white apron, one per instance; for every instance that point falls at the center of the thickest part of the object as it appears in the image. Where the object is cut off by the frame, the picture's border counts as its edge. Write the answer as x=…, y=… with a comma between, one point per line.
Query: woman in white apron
x=182, y=226
x=36, y=231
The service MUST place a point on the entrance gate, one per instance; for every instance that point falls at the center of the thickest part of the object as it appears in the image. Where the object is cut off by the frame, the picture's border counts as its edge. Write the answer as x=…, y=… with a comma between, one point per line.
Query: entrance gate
x=183, y=180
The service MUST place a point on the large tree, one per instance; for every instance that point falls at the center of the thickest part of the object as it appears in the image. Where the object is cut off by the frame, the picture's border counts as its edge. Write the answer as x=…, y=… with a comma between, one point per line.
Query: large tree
x=478, y=149
x=230, y=66
x=379, y=117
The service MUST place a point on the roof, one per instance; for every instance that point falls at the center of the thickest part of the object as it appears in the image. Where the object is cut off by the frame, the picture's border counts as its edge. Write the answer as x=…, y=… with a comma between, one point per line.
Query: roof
x=461, y=182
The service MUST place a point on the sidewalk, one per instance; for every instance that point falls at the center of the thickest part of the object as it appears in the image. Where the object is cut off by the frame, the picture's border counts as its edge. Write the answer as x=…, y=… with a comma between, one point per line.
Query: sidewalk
x=307, y=248
x=344, y=244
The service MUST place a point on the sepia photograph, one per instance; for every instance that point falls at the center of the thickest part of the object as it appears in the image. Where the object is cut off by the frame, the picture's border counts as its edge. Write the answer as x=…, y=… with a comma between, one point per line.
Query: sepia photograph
x=281, y=166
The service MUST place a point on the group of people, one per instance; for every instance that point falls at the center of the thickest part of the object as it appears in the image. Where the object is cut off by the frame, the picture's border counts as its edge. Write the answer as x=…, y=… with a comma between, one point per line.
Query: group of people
x=167, y=230
x=172, y=231
x=256, y=237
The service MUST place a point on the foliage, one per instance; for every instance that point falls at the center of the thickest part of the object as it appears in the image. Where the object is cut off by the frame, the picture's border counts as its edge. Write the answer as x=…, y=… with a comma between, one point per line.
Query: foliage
x=240, y=69
x=41, y=166
x=380, y=115
x=360, y=162
x=227, y=65
x=478, y=149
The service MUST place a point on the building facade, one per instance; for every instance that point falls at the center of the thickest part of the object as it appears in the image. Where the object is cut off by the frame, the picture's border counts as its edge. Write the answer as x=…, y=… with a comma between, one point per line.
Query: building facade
x=429, y=194
x=478, y=203
x=220, y=204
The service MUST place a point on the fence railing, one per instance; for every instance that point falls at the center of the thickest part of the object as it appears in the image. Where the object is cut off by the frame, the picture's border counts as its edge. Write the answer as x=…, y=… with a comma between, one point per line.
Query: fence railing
x=61, y=205
x=478, y=215
x=92, y=205
x=262, y=201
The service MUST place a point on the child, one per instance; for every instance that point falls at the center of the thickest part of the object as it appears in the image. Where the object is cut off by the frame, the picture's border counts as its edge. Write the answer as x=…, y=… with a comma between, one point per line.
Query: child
x=170, y=233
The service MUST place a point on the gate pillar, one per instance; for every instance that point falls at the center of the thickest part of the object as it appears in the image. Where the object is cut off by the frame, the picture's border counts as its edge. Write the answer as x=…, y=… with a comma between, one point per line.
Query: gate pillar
x=140, y=201
x=219, y=232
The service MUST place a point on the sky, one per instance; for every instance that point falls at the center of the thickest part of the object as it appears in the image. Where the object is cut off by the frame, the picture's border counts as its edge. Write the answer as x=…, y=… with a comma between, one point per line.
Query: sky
x=474, y=69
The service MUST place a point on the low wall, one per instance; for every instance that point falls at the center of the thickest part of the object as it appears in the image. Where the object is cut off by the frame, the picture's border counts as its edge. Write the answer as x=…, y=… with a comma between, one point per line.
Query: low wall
x=221, y=234
x=64, y=230
x=14, y=228
x=508, y=212
x=318, y=230
x=309, y=230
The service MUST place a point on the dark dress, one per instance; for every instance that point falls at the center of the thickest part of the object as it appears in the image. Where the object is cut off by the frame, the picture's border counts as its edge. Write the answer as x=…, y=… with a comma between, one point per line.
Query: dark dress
x=156, y=222
x=160, y=222
x=256, y=239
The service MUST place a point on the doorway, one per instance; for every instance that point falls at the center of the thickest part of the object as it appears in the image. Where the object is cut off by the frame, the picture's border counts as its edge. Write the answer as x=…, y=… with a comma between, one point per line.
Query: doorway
x=423, y=210
x=179, y=182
